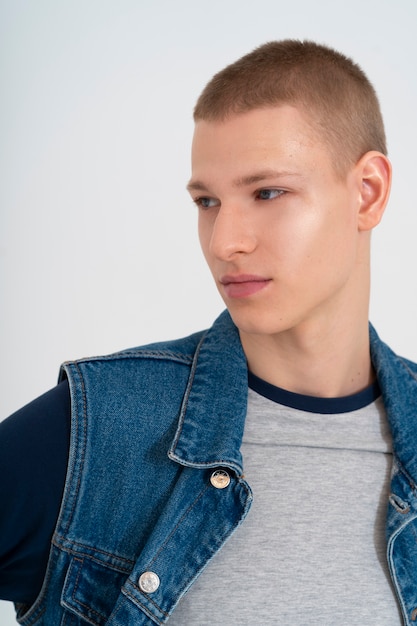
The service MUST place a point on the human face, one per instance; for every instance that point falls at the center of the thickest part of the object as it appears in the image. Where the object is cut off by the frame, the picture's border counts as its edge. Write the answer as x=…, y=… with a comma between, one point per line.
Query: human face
x=277, y=225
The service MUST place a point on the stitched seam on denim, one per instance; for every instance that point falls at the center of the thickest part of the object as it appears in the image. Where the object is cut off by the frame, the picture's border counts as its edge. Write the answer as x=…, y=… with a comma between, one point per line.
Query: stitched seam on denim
x=187, y=392
x=32, y=620
x=80, y=458
x=151, y=354
x=84, y=553
x=144, y=607
x=409, y=370
x=393, y=571
x=413, y=528
x=86, y=606
x=168, y=539
x=158, y=608
x=117, y=610
x=236, y=524
x=156, y=354
x=404, y=472
x=208, y=464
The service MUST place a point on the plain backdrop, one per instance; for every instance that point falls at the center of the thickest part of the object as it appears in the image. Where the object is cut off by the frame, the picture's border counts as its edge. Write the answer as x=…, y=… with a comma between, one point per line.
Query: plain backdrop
x=98, y=237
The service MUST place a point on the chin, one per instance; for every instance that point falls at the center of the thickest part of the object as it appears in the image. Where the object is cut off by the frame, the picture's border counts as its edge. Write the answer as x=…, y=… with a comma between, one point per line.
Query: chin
x=254, y=323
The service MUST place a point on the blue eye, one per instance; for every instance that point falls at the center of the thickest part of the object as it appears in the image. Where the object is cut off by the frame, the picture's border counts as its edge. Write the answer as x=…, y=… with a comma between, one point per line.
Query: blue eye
x=269, y=194
x=205, y=202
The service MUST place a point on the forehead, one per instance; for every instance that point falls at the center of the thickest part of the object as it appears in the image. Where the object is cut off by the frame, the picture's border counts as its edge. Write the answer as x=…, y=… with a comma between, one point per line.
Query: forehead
x=281, y=137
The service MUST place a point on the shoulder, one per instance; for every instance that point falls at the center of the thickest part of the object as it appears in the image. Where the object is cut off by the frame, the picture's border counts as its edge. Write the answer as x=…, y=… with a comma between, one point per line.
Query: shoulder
x=133, y=371
x=220, y=337
x=221, y=334
x=411, y=366
x=180, y=350
x=385, y=359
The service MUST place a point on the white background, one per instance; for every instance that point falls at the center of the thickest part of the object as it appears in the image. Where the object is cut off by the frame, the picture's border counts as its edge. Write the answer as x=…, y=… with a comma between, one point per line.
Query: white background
x=98, y=238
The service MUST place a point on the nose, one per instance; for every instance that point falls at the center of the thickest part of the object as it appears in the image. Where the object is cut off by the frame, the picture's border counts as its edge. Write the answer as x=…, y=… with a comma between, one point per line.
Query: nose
x=232, y=233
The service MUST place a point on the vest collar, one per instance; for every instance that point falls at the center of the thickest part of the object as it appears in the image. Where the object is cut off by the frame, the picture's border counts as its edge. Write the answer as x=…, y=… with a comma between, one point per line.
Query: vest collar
x=397, y=379
x=213, y=411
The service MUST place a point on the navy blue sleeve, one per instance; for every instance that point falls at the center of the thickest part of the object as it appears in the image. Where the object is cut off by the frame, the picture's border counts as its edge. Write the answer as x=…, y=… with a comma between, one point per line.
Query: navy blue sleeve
x=34, y=445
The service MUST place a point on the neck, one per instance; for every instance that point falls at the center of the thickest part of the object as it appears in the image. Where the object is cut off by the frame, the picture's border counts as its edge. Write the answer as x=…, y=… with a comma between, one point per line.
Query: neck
x=331, y=359
x=327, y=354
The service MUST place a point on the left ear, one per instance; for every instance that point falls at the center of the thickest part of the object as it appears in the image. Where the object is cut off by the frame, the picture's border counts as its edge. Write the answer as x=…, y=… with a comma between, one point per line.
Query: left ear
x=374, y=177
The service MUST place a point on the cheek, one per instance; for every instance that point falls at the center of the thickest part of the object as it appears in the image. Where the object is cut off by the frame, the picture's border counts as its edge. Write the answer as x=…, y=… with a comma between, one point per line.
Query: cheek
x=293, y=238
x=204, y=236
x=307, y=243
x=334, y=246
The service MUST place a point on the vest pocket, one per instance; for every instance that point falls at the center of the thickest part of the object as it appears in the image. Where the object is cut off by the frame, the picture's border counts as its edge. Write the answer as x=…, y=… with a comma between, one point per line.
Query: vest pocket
x=91, y=590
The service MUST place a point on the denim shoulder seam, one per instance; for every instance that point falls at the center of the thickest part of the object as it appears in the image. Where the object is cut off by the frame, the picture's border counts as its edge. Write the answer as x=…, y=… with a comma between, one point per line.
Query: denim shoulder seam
x=185, y=359
x=406, y=364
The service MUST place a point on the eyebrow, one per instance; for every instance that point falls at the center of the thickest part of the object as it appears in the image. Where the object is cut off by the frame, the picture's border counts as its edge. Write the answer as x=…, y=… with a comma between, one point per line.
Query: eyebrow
x=244, y=181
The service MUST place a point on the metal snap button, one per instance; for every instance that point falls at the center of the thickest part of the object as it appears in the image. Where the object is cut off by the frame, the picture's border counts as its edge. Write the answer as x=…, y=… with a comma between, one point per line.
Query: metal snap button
x=149, y=582
x=220, y=479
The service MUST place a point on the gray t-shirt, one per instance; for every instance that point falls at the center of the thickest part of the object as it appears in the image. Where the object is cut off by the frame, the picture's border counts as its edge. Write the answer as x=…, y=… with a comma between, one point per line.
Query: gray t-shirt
x=312, y=549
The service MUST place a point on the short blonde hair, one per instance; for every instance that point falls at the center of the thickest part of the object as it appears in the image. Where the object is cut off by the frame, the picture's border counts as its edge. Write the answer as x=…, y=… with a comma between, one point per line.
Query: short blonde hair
x=332, y=89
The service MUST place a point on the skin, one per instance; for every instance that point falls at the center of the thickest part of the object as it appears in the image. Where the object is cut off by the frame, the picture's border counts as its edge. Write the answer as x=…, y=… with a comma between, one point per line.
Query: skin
x=287, y=240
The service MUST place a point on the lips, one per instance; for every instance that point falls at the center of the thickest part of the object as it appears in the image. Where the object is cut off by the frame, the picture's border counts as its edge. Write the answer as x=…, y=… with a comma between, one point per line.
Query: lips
x=243, y=285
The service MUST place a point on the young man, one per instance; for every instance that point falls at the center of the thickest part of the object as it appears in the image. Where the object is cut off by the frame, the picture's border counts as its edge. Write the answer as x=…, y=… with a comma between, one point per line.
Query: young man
x=288, y=428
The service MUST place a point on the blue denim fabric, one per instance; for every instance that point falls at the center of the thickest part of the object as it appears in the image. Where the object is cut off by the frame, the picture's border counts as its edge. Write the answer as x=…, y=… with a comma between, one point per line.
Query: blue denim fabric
x=149, y=428
x=398, y=381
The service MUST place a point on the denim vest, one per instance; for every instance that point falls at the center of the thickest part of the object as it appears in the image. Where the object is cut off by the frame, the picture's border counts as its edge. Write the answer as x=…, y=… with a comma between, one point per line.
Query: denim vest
x=155, y=482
